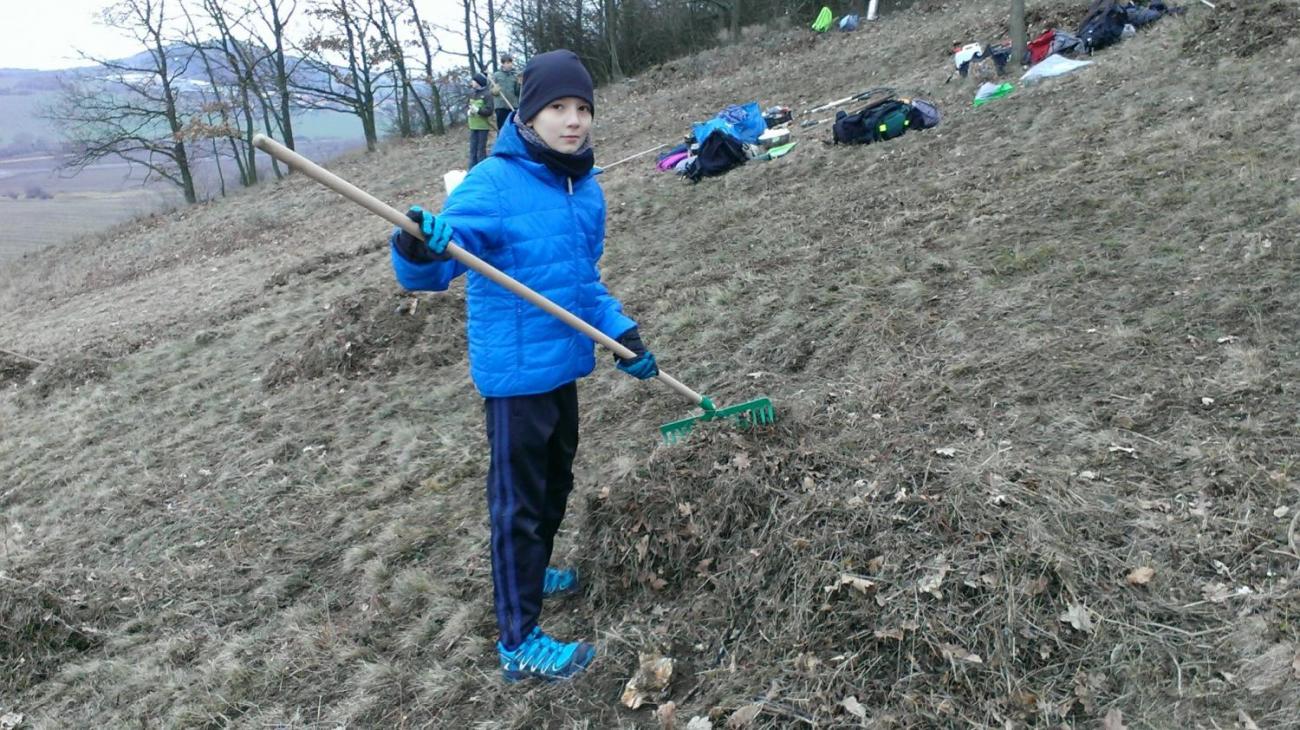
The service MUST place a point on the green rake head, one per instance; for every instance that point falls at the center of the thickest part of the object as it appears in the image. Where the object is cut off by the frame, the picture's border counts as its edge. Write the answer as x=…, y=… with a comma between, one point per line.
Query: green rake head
x=750, y=413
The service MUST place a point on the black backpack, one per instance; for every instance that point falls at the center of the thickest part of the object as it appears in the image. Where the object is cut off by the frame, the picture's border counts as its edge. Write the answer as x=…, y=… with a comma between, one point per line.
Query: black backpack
x=1103, y=27
x=876, y=122
x=718, y=153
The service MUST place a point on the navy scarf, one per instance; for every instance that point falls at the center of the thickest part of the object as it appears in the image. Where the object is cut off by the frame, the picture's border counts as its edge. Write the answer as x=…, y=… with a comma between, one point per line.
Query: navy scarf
x=571, y=165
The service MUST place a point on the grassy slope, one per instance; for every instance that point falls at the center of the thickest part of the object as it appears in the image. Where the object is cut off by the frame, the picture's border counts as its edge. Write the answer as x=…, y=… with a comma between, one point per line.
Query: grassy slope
x=1040, y=285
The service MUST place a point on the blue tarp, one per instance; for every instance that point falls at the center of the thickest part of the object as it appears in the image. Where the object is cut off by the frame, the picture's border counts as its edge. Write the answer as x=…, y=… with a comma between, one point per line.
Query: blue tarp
x=744, y=122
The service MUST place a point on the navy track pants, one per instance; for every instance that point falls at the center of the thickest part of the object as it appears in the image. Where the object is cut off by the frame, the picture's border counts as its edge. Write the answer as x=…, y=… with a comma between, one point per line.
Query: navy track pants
x=533, y=439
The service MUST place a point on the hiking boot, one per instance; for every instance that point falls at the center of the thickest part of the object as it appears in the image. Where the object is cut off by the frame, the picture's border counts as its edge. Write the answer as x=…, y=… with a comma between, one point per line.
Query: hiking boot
x=544, y=658
x=560, y=582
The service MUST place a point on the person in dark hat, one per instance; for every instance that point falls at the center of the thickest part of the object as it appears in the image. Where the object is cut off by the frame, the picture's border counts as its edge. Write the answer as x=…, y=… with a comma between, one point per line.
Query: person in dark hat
x=534, y=210
x=480, y=115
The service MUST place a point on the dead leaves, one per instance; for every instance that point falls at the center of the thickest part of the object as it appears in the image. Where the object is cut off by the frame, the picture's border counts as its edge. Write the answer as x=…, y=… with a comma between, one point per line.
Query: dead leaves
x=650, y=681
x=955, y=654
x=853, y=707
x=11, y=720
x=1140, y=576
x=1219, y=592
x=1114, y=720
x=744, y=717
x=856, y=582
x=666, y=714
x=1078, y=617
x=932, y=583
x=897, y=633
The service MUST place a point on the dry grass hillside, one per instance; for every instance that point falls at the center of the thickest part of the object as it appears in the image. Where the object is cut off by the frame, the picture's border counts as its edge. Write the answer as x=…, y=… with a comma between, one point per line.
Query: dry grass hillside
x=1037, y=373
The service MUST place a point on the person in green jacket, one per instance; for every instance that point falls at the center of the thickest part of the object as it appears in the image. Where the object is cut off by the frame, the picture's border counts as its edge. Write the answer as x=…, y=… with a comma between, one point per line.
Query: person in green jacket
x=505, y=89
x=480, y=115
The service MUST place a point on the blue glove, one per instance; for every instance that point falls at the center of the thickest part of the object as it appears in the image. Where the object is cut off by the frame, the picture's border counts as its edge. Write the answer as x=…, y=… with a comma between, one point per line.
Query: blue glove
x=437, y=235
x=641, y=367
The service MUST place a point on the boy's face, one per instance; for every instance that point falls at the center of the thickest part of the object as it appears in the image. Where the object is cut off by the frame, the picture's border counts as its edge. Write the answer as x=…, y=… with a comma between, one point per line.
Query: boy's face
x=508, y=65
x=563, y=124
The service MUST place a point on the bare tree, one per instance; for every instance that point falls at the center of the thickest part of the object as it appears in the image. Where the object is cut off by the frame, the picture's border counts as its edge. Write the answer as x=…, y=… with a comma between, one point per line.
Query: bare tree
x=242, y=60
x=732, y=9
x=433, y=119
x=221, y=113
x=1019, y=36
x=275, y=22
x=356, y=87
x=610, y=13
x=385, y=24
x=618, y=37
x=469, y=29
x=492, y=35
x=134, y=111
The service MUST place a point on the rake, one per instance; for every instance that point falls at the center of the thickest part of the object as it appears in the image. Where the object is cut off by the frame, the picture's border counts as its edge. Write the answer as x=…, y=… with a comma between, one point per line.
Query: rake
x=853, y=97
x=754, y=412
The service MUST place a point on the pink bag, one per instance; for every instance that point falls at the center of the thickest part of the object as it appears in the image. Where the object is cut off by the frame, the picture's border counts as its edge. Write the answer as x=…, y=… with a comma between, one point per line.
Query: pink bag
x=671, y=161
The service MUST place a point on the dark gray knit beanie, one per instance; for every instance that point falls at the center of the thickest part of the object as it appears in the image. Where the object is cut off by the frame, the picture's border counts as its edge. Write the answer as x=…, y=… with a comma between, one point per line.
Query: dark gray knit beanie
x=554, y=75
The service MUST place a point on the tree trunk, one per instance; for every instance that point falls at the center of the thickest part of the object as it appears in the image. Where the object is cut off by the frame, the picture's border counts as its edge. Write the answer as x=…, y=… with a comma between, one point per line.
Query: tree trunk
x=235, y=150
x=1019, y=37
x=735, y=21
x=388, y=30
x=266, y=119
x=492, y=35
x=611, y=37
x=434, y=97
x=243, y=71
x=172, y=115
x=281, y=75
x=358, y=69
x=539, y=38
x=469, y=34
x=250, y=175
x=221, y=176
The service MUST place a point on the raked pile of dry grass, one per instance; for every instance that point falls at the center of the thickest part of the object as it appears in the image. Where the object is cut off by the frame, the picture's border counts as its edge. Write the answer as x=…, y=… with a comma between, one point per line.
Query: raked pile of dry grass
x=39, y=630
x=794, y=567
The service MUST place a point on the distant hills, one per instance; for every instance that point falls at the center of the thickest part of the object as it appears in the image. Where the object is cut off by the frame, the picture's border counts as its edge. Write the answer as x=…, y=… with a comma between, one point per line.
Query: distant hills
x=25, y=93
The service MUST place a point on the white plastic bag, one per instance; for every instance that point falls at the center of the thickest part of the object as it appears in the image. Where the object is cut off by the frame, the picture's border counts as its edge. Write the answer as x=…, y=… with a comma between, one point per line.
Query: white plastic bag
x=1053, y=65
x=452, y=179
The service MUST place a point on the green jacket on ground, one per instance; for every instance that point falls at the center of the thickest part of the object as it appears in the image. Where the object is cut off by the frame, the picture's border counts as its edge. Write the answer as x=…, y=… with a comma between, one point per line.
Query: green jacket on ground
x=508, y=81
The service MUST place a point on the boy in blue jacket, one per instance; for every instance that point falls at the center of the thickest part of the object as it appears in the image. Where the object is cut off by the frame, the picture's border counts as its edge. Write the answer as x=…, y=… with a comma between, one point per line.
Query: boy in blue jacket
x=534, y=210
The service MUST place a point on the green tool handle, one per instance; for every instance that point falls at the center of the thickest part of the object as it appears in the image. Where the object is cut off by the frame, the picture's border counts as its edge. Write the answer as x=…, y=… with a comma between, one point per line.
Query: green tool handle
x=392, y=215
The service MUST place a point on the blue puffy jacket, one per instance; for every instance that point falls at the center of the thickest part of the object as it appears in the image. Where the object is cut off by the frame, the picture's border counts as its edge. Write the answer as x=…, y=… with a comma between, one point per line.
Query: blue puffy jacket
x=543, y=230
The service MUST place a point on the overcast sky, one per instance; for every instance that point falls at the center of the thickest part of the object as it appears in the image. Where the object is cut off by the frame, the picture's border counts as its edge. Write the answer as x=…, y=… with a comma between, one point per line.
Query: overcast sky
x=47, y=34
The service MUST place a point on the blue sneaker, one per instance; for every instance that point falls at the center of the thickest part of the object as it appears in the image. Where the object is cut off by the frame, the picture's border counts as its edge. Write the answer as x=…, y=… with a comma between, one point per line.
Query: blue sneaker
x=541, y=657
x=560, y=582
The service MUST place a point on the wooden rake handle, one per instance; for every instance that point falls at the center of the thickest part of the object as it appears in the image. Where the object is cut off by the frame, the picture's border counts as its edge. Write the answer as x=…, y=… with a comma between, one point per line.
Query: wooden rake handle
x=496, y=91
x=392, y=215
